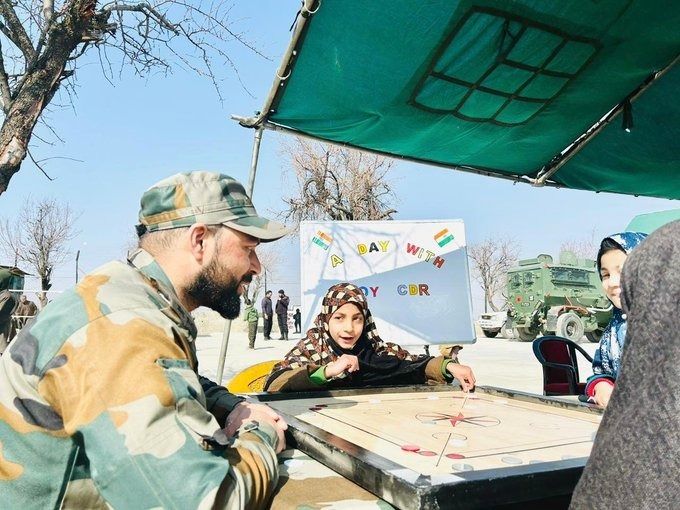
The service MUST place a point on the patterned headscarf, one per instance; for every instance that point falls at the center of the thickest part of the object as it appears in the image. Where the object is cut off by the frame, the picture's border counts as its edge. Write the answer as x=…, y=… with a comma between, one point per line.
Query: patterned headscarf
x=338, y=296
x=626, y=241
x=608, y=356
x=319, y=348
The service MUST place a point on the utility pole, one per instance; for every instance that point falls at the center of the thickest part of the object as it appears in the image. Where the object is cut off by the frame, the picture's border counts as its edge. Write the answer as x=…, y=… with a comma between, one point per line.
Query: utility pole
x=77, y=257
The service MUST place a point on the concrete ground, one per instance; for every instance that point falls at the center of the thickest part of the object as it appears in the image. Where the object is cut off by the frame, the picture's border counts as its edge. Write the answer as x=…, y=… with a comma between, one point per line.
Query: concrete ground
x=496, y=361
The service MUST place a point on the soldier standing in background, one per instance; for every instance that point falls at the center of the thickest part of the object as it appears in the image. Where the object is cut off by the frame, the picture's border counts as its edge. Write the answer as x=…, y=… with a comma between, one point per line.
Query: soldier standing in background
x=251, y=317
x=23, y=312
x=103, y=406
x=267, y=315
x=282, y=314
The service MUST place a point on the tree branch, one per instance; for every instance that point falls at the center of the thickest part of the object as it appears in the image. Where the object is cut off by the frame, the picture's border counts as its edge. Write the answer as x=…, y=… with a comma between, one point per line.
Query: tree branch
x=48, y=10
x=38, y=165
x=15, y=31
x=5, y=94
x=146, y=9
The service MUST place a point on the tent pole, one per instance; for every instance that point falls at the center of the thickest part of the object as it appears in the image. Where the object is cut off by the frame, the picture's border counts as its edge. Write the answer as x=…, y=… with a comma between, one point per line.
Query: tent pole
x=251, y=186
x=572, y=149
x=309, y=7
x=253, y=161
x=223, y=351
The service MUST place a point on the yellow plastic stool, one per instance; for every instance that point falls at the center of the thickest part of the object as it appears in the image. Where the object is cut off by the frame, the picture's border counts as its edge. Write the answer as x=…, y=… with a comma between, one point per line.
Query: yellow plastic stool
x=251, y=379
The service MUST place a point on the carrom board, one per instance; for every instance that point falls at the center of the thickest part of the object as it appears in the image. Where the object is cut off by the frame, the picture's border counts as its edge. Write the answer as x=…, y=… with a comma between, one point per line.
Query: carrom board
x=416, y=448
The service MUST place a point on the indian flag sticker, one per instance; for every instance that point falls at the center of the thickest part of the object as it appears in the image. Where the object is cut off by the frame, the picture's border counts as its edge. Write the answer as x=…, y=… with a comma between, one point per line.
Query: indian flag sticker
x=443, y=238
x=322, y=239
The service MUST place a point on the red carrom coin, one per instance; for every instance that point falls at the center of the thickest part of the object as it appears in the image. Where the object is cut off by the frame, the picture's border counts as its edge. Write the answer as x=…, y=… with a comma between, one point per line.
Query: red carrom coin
x=410, y=448
x=455, y=456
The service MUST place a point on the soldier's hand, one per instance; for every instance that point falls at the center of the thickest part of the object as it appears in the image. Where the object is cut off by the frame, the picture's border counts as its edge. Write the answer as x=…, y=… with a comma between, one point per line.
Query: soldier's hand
x=464, y=375
x=247, y=411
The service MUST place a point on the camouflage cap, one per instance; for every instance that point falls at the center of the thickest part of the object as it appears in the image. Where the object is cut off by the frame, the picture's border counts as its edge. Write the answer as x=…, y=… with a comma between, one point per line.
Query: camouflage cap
x=203, y=197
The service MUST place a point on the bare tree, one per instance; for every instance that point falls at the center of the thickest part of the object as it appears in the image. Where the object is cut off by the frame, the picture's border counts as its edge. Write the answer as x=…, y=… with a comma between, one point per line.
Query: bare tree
x=42, y=41
x=337, y=183
x=491, y=260
x=39, y=238
x=584, y=248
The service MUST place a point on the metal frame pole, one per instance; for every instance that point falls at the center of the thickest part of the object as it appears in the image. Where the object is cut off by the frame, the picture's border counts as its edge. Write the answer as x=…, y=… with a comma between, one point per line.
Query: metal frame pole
x=559, y=160
x=223, y=351
x=253, y=161
x=309, y=7
x=251, y=186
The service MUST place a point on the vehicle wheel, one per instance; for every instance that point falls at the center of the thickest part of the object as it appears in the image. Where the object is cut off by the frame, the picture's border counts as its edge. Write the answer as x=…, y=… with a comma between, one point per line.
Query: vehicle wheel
x=594, y=336
x=525, y=334
x=509, y=333
x=490, y=334
x=569, y=326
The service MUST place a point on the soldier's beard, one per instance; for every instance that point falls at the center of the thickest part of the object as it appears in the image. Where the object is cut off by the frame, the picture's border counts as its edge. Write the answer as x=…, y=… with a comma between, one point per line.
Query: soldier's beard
x=218, y=289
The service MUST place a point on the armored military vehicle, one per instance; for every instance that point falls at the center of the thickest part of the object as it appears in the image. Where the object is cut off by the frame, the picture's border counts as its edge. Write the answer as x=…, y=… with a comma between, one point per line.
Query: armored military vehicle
x=563, y=298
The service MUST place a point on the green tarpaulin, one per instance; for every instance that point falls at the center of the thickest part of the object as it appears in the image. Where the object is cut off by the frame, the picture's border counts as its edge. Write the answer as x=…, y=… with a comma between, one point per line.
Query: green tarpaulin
x=497, y=87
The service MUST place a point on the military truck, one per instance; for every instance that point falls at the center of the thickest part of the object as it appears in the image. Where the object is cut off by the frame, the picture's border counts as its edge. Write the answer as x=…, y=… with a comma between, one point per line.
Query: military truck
x=564, y=298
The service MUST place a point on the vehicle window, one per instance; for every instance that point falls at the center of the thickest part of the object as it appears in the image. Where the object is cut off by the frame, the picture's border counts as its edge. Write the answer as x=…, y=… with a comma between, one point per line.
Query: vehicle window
x=569, y=275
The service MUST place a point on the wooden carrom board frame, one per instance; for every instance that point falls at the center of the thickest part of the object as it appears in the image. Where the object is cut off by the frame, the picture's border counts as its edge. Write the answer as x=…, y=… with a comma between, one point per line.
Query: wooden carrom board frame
x=405, y=488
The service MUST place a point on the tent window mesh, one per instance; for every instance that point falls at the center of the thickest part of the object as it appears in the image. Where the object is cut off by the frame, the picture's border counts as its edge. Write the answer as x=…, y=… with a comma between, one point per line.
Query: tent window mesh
x=499, y=68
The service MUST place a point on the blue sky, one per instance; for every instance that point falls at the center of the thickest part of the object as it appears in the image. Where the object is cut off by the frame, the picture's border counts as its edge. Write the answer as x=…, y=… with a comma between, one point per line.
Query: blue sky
x=140, y=130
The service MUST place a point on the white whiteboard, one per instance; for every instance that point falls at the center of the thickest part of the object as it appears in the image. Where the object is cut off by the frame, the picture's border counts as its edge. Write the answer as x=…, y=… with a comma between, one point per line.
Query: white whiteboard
x=414, y=274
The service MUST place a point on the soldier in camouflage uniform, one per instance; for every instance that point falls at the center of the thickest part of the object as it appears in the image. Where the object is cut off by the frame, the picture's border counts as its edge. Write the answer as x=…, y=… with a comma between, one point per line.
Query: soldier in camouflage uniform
x=251, y=316
x=100, y=401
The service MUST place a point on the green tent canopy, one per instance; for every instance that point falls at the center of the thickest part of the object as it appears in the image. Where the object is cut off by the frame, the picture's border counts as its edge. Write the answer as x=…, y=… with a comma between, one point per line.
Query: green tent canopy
x=529, y=90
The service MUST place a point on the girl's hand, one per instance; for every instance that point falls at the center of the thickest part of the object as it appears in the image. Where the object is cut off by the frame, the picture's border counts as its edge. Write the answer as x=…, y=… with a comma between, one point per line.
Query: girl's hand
x=464, y=375
x=603, y=392
x=345, y=363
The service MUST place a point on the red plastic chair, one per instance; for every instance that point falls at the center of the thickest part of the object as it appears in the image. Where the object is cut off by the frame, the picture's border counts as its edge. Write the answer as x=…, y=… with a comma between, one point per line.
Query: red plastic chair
x=557, y=355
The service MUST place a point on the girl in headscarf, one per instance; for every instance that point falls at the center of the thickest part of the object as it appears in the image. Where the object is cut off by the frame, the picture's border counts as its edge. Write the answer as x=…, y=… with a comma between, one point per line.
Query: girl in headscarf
x=344, y=350
x=607, y=360
x=634, y=462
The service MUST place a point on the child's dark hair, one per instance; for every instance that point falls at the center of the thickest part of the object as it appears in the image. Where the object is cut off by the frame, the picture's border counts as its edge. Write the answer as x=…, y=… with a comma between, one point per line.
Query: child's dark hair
x=607, y=244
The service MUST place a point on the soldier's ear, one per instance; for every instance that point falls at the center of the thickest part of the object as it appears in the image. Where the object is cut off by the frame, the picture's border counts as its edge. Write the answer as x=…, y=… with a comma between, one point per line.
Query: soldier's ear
x=198, y=238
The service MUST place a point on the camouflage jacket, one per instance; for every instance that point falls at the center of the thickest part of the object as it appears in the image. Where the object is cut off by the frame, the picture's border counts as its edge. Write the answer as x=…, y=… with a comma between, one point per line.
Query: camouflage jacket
x=100, y=404
x=250, y=314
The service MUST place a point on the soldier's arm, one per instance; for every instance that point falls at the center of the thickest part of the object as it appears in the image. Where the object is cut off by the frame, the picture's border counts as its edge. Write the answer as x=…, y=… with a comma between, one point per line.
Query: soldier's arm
x=218, y=400
x=222, y=405
x=128, y=396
